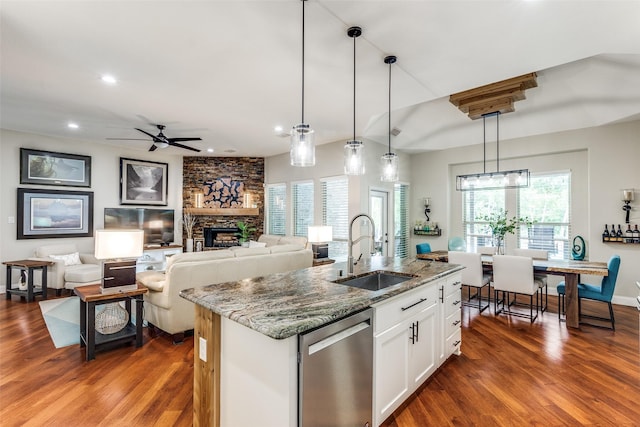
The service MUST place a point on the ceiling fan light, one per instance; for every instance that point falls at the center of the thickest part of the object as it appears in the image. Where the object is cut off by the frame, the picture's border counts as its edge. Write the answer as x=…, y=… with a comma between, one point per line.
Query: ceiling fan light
x=389, y=164
x=303, y=150
x=354, y=158
x=161, y=144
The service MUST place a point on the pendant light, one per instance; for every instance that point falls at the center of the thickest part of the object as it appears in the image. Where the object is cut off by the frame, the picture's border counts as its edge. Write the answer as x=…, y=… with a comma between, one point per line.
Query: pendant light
x=389, y=161
x=492, y=180
x=303, y=150
x=354, y=149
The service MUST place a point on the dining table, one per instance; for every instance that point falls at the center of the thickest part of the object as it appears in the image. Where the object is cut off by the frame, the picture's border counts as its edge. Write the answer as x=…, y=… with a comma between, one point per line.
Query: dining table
x=570, y=269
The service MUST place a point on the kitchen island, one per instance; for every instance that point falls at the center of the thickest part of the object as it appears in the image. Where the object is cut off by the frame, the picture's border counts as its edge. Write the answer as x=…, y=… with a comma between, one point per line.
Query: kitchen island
x=246, y=334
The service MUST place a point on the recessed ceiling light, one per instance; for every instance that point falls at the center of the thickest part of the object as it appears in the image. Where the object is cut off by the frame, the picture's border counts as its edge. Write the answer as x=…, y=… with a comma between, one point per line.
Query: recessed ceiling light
x=72, y=125
x=108, y=79
x=278, y=128
x=209, y=150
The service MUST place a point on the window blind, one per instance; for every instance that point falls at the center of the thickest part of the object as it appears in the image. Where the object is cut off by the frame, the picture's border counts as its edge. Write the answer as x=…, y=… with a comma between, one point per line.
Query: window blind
x=401, y=221
x=476, y=205
x=276, y=209
x=302, y=200
x=335, y=212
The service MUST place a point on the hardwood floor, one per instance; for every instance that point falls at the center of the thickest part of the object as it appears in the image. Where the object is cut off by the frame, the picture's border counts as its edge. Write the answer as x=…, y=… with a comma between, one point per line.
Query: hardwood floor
x=510, y=373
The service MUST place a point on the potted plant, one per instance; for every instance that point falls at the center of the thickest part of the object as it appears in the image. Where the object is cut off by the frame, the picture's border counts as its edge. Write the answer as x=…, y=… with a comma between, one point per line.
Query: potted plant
x=245, y=232
x=500, y=224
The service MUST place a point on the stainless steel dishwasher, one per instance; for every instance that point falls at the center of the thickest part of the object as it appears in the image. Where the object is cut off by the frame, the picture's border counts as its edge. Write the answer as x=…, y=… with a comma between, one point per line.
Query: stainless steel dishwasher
x=335, y=373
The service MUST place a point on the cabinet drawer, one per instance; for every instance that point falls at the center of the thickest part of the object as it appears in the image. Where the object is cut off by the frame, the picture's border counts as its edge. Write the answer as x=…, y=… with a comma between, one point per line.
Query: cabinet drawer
x=452, y=303
x=401, y=307
x=452, y=284
x=452, y=323
x=453, y=343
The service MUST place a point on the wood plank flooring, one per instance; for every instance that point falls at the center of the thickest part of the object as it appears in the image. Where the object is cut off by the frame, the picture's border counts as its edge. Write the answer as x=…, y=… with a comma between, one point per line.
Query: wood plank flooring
x=510, y=373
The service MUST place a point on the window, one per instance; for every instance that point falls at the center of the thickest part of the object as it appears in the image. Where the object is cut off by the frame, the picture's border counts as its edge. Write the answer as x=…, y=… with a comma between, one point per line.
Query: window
x=477, y=204
x=302, y=200
x=276, y=209
x=335, y=212
x=400, y=220
x=547, y=201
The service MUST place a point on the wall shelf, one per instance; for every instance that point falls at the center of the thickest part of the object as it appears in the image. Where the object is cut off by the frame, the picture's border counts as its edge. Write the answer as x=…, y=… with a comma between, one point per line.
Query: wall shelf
x=223, y=211
x=437, y=232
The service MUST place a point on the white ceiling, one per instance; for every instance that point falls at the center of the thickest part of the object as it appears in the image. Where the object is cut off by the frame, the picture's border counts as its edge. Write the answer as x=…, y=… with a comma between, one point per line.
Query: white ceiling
x=229, y=71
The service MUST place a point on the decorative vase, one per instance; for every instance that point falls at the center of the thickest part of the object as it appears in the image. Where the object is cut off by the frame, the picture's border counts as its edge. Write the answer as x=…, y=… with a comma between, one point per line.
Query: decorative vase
x=498, y=242
x=23, y=283
x=189, y=245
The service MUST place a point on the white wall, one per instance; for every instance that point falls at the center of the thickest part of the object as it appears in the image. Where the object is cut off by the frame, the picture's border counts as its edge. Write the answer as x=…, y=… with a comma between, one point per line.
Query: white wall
x=604, y=160
x=105, y=176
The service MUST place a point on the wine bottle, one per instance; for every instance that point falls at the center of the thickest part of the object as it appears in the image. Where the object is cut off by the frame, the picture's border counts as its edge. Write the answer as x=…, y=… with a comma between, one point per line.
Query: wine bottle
x=636, y=234
x=605, y=234
x=619, y=234
x=628, y=235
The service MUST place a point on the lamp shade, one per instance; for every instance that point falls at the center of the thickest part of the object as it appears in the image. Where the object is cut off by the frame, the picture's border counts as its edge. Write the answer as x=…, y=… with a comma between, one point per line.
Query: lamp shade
x=303, y=149
x=353, y=158
x=627, y=195
x=320, y=233
x=112, y=243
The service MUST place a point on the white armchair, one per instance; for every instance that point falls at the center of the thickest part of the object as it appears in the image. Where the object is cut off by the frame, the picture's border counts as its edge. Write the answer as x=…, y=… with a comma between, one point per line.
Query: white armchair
x=70, y=268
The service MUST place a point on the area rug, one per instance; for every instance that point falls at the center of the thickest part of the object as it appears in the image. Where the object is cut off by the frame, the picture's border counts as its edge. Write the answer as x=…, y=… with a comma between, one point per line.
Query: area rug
x=62, y=316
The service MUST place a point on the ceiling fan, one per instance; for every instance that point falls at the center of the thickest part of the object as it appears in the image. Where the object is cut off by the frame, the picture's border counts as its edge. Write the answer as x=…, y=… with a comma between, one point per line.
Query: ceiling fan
x=161, y=141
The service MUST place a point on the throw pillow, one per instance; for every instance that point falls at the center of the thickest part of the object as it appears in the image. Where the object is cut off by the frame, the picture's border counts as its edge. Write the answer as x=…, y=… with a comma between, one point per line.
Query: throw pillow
x=254, y=244
x=69, y=259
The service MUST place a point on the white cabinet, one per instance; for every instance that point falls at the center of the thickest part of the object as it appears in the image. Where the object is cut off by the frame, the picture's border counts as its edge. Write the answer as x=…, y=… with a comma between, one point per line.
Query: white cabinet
x=406, y=337
x=414, y=333
x=156, y=258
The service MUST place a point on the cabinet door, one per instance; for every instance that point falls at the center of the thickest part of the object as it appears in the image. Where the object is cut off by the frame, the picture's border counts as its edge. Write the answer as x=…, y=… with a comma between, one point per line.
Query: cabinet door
x=424, y=347
x=391, y=360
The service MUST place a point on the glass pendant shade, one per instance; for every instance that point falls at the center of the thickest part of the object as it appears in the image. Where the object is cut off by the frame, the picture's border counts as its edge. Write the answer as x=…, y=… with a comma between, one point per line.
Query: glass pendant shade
x=389, y=165
x=354, y=158
x=303, y=150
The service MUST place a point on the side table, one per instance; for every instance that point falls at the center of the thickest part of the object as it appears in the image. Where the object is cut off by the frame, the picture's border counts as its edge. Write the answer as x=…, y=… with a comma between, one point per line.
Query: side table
x=90, y=296
x=30, y=266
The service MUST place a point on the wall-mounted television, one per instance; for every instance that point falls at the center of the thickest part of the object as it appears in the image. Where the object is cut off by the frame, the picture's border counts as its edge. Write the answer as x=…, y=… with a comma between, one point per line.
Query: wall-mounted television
x=158, y=224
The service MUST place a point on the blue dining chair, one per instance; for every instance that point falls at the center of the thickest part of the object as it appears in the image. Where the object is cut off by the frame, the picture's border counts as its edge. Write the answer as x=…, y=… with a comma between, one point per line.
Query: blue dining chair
x=457, y=244
x=423, y=248
x=603, y=293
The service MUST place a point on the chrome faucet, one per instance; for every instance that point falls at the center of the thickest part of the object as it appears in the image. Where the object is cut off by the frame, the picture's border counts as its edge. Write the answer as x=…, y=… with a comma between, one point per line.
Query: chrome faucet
x=351, y=242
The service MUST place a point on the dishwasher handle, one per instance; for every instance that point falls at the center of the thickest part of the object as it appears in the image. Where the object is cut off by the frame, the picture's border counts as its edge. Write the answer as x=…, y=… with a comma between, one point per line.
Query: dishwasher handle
x=338, y=336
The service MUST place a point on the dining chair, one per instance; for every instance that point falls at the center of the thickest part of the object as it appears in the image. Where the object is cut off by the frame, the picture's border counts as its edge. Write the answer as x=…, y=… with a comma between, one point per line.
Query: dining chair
x=486, y=250
x=472, y=277
x=457, y=244
x=423, y=248
x=537, y=254
x=603, y=292
x=514, y=274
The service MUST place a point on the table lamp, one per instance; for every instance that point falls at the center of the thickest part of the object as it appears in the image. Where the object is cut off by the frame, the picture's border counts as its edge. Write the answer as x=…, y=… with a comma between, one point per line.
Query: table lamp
x=319, y=236
x=119, y=249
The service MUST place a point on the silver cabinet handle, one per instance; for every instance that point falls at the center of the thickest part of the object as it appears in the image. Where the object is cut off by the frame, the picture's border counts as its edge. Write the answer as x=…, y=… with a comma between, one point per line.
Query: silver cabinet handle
x=413, y=305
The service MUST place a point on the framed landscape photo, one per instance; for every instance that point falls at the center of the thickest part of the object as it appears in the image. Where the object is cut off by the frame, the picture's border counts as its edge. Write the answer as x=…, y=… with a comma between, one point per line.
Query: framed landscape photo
x=143, y=182
x=46, y=214
x=49, y=168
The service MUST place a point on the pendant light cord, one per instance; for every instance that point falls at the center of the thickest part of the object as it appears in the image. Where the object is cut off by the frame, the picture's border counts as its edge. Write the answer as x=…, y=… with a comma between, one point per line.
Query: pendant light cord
x=354, y=87
x=303, y=1
x=498, y=141
x=390, y=106
x=484, y=144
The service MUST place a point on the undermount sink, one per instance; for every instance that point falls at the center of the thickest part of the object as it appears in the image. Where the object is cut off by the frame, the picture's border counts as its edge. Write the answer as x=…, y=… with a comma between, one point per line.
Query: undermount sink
x=375, y=280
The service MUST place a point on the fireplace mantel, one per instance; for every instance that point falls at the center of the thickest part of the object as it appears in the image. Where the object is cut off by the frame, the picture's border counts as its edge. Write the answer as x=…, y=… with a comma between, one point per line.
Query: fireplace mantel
x=223, y=211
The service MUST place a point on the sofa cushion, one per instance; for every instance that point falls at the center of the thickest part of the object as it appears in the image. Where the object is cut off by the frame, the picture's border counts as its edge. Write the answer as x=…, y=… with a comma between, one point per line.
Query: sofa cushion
x=286, y=248
x=242, y=252
x=269, y=239
x=81, y=273
x=45, y=251
x=151, y=279
x=69, y=259
x=254, y=244
x=198, y=256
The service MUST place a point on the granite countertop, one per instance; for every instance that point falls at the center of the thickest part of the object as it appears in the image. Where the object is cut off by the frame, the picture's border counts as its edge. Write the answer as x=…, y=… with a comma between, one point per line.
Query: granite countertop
x=286, y=304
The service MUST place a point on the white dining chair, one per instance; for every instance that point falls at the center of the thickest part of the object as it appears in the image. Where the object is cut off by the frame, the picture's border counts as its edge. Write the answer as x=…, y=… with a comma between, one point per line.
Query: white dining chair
x=486, y=250
x=514, y=274
x=543, y=255
x=472, y=277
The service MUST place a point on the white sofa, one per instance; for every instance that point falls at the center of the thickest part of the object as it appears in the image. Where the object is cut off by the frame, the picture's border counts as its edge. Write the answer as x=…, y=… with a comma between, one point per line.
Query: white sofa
x=165, y=309
x=71, y=268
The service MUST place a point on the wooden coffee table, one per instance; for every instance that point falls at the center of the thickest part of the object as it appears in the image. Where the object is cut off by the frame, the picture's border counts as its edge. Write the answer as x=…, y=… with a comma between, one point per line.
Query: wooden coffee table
x=90, y=296
x=30, y=265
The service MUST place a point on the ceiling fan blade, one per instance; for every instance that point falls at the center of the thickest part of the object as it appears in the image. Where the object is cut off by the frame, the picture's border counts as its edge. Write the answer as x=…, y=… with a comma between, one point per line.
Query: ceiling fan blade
x=175, y=144
x=183, y=139
x=146, y=133
x=153, y=147
x=127, y=139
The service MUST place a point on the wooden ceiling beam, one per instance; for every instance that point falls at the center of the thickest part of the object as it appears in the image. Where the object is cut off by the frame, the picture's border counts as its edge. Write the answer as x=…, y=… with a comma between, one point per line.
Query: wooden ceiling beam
x=499, y=96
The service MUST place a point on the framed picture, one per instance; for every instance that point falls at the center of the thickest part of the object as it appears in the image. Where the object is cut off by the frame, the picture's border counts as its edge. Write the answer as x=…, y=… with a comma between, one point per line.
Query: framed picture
x=143, y=182
x=49, y=168
x=198, y=244
x=44, y=214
